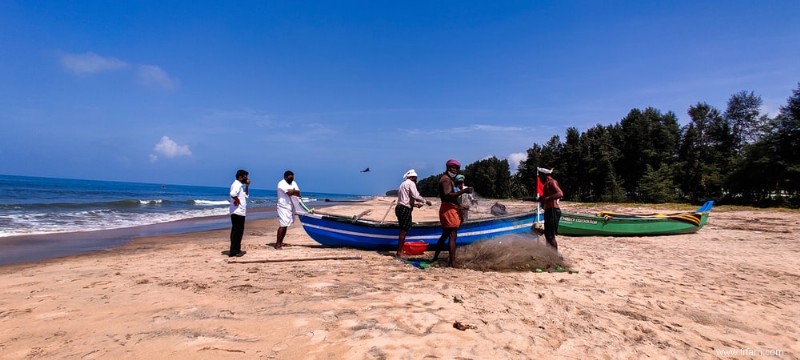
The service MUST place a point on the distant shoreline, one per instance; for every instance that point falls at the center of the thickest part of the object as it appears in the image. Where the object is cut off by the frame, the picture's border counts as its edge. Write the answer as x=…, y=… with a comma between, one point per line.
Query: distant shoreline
x=20, y=249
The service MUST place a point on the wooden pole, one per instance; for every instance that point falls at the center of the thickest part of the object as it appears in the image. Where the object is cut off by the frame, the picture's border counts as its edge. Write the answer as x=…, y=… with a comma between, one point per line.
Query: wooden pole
x=363, y=213
x=387, y=211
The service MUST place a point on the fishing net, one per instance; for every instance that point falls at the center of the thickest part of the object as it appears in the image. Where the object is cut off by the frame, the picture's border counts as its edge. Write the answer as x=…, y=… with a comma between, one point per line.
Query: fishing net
x=517, y=252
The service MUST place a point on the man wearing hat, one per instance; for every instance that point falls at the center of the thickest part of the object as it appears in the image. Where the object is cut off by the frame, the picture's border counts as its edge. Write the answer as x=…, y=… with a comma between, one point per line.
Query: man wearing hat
x=449, y=211
x=465, y=200
x=407, y=198
x=552, y=213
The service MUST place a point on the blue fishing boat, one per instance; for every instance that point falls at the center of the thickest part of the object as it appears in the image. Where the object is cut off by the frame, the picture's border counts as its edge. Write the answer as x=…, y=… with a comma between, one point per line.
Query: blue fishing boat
x=343, y=231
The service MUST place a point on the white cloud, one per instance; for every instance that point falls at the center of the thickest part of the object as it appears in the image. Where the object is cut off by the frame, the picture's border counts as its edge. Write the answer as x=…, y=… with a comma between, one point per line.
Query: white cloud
x=146, y=75
x=245, y=117
x=154, y=76
x=495, y=128
x=470, y=129
x=169, y=149
x=515, y=159
x=90, y=63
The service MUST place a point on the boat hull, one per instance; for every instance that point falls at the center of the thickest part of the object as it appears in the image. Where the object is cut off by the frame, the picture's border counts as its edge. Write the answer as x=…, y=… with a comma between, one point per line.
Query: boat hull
x=338, y=231
x=589, y=225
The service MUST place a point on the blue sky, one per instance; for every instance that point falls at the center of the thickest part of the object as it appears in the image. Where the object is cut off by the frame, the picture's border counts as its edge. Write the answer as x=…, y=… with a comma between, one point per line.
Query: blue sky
x=186, y=92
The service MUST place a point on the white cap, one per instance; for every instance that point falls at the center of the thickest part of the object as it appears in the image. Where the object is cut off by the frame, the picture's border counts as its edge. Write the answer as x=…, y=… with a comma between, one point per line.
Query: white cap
x=545, y=171
x=409, y=174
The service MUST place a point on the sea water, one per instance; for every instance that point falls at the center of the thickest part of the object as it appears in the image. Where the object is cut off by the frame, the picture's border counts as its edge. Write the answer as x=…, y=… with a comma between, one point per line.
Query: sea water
x=35, y=205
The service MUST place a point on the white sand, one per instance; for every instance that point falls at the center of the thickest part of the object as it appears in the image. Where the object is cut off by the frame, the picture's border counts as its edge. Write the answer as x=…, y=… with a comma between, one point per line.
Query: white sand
x=734, y=287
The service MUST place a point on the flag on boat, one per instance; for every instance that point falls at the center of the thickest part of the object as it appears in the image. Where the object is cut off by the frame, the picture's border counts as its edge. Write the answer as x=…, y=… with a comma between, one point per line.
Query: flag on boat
x=539, y=186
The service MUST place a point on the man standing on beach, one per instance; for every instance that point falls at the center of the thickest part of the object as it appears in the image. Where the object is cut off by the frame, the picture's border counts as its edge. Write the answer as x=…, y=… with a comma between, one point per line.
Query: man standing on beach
x=449, y=211
x=240, y=191
x=552, y=212
x=408, y=197
x=287, y=188
x=465, y=201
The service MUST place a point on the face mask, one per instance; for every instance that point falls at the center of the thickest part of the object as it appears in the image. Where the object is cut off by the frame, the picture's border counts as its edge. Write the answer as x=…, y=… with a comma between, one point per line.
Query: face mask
x=451, y=173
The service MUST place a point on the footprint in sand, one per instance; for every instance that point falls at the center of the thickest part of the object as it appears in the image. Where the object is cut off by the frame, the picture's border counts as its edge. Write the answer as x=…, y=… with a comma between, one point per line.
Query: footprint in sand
x=280, y=347
x=318, y=336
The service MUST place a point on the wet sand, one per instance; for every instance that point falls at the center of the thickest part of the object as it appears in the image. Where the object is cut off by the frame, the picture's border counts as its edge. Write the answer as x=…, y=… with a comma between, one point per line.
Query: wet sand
x=27, y=248
x=731, y=290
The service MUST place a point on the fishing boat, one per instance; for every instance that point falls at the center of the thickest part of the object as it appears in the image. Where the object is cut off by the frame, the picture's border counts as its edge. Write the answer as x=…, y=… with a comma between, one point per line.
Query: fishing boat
x=343, y=231
x=615, y=224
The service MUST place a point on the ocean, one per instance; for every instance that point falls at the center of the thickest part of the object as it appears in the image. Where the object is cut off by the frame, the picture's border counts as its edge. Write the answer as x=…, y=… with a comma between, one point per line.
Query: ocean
x=47, y=210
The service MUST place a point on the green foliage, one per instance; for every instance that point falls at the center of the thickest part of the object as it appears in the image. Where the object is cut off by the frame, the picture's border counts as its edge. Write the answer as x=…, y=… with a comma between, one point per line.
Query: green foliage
x=428, y=187
x=612, y=190
x=657, y=186
x=704, y=155
x=744, y=116
x=570, y=165
x=769, y=172
x=526, y=172
x=490, y=177
x=740, y=156
x=786, y=140
x=599, y=153
x=649, y=138
x=518, y=189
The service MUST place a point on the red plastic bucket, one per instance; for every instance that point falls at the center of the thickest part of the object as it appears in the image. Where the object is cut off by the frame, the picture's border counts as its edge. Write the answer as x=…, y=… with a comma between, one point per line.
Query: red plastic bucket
x=415, y=247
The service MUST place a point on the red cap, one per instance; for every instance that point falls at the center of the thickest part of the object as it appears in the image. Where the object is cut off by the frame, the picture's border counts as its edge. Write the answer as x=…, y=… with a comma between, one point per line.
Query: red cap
x=453, y=162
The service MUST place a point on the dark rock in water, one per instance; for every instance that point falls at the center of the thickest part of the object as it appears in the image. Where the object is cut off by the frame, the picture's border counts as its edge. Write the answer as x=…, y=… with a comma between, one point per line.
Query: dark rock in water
x=391, y=193
x=498, y=209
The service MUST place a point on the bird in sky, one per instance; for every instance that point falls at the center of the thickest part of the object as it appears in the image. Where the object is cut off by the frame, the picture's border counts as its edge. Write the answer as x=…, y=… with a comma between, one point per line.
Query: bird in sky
x=365, y=170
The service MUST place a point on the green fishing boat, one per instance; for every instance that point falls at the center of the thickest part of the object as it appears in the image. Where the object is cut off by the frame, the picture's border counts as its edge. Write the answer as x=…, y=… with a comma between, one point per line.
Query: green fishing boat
x=615, y=224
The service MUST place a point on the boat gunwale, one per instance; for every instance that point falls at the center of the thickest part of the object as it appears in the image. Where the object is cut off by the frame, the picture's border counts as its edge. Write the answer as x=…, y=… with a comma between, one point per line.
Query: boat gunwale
x=422, y=224
x=631, y=218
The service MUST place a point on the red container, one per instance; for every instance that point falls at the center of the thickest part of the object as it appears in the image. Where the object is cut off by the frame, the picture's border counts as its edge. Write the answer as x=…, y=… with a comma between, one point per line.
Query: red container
x=415, y=247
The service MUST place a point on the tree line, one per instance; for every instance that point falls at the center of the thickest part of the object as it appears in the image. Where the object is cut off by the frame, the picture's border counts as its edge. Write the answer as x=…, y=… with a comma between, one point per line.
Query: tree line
x=736, y=156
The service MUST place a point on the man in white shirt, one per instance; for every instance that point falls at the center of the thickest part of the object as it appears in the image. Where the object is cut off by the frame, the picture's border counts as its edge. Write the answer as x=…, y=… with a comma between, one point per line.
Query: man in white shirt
x=408, y=197
x=240, y=191
x=287, y=188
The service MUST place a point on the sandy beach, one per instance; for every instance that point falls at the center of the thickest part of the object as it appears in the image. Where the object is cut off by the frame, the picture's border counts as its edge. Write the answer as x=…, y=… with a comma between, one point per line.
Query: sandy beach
x=730, y=290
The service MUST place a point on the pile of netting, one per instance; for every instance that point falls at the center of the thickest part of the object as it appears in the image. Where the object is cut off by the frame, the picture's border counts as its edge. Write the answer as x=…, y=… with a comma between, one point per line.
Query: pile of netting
x=519, y=252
